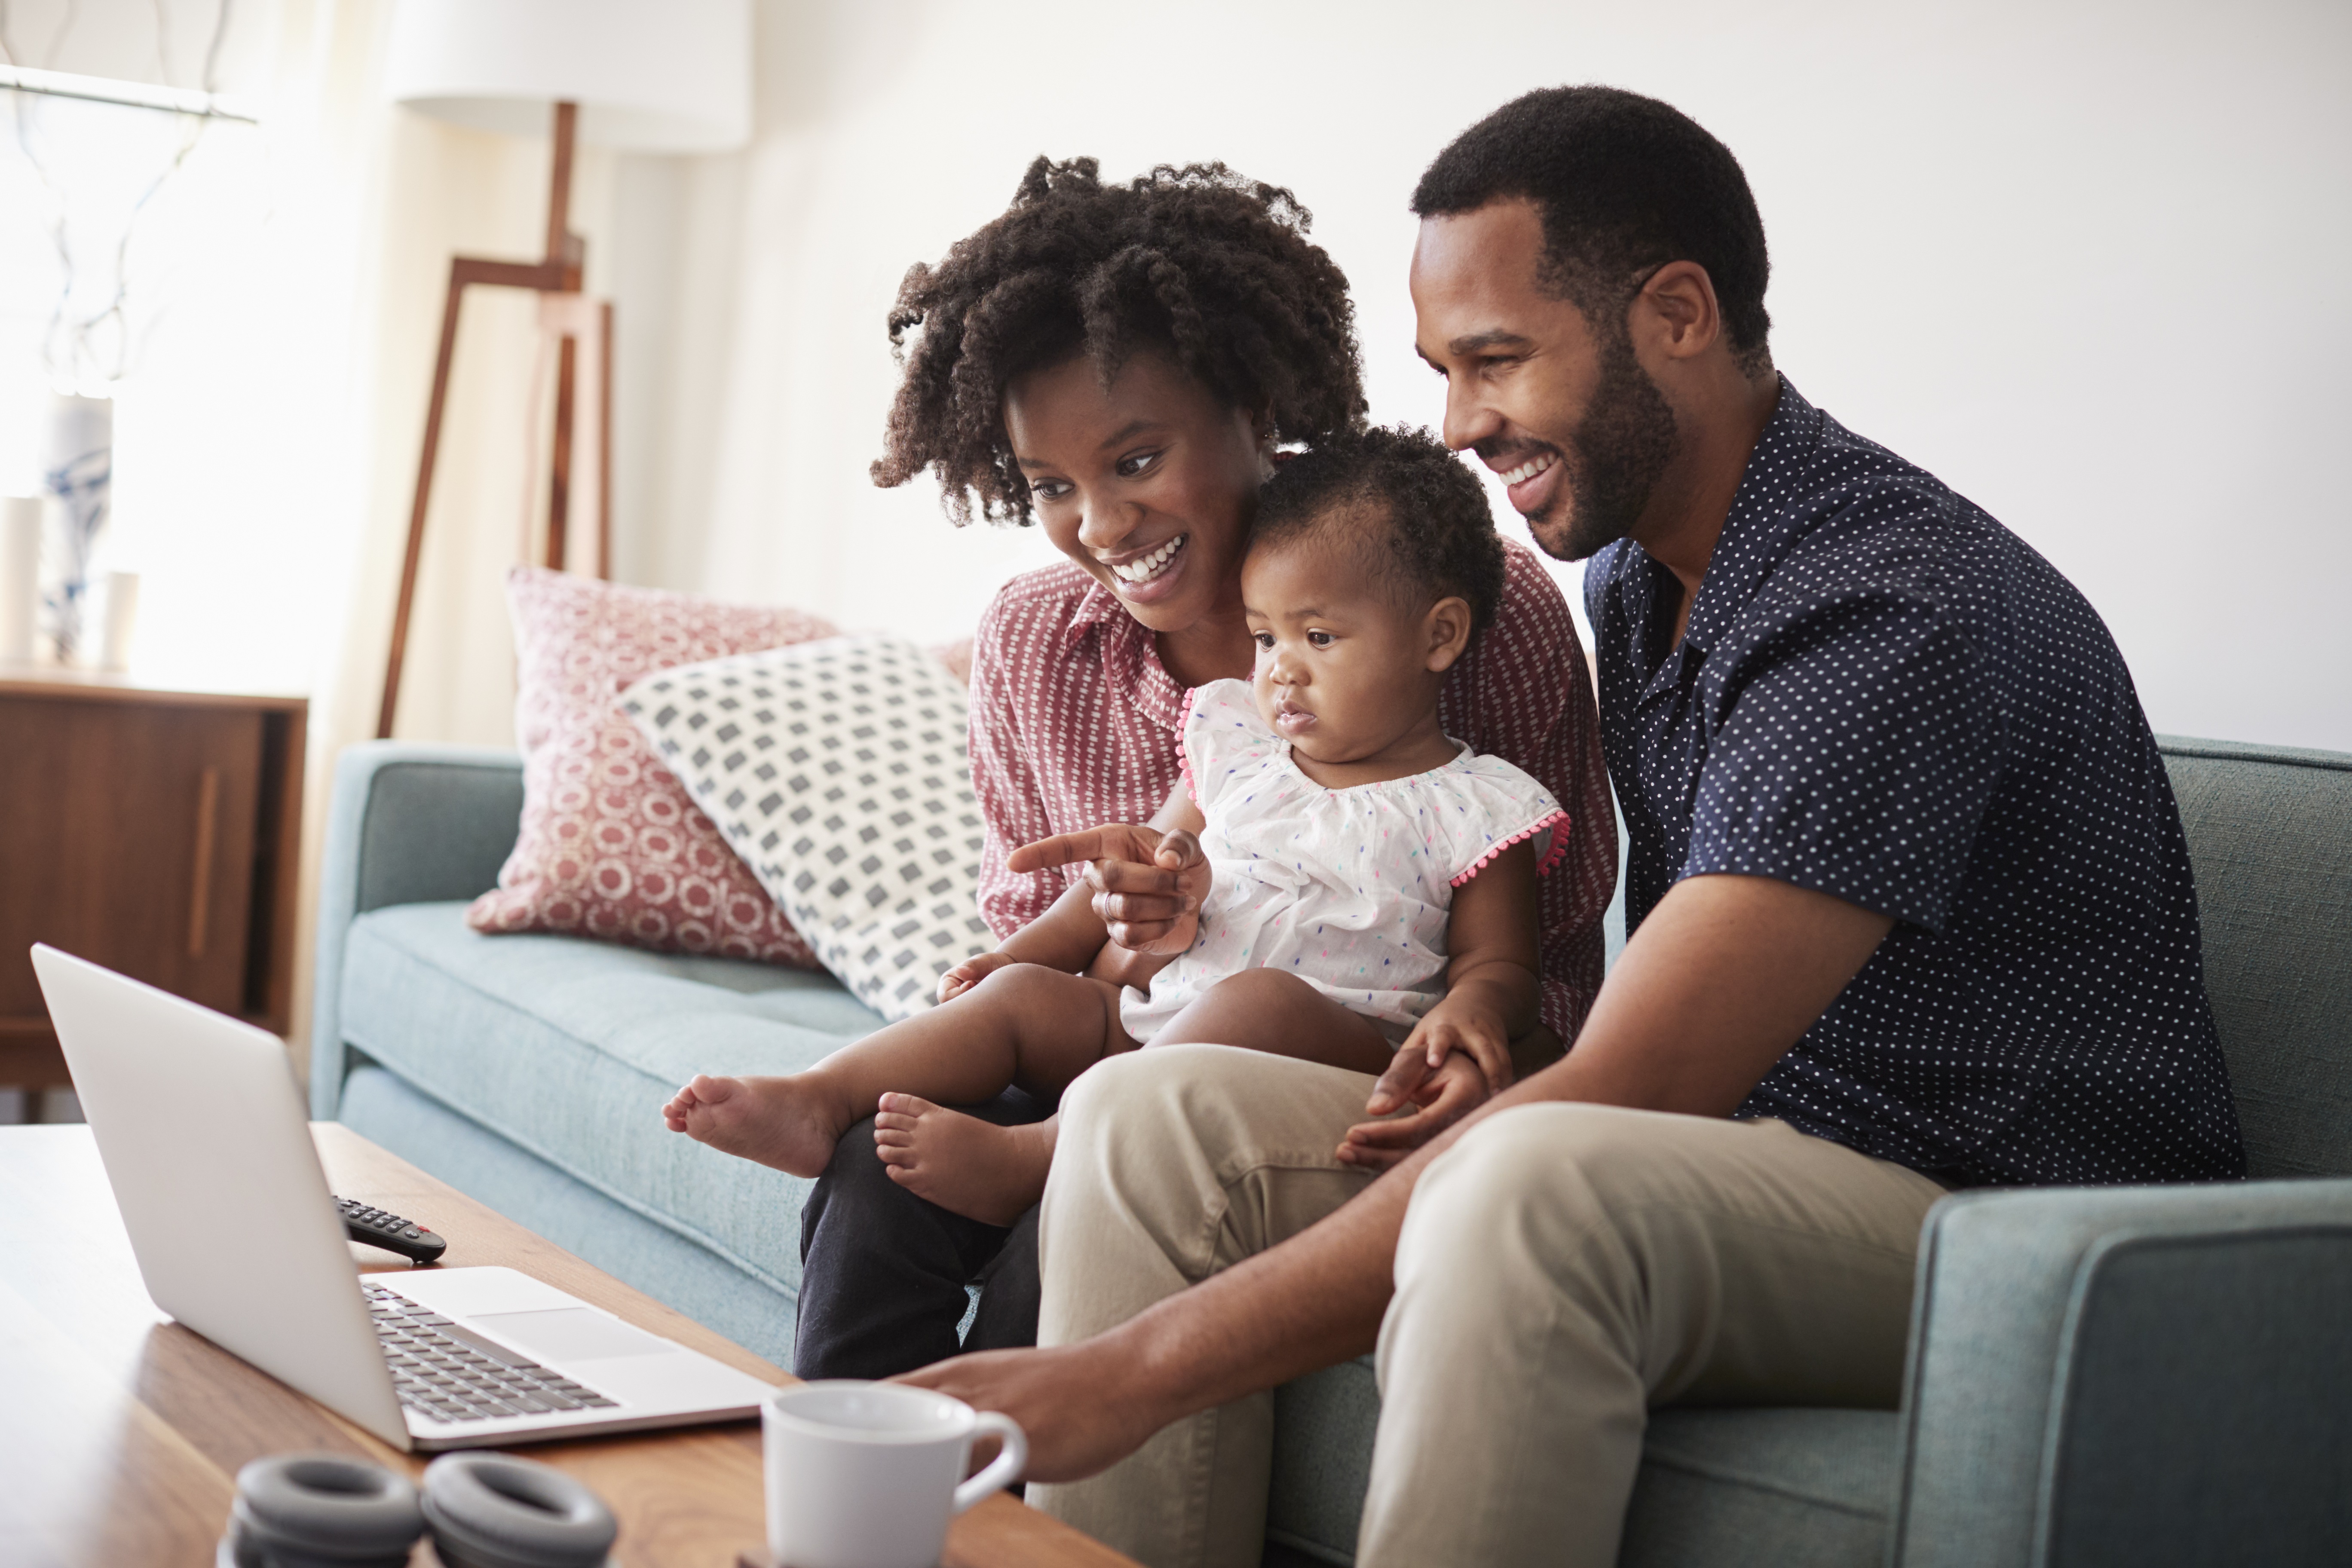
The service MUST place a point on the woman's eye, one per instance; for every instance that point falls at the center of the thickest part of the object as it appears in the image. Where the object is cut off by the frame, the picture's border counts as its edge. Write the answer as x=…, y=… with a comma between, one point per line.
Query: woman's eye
x=1130, y=467
x=1319, y=639
x=1048, y=489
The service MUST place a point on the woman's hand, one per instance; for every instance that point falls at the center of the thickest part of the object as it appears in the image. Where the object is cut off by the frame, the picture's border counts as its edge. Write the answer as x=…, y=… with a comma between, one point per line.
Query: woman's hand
x=1148, y=886
x=1441, y=1095
x=971, y=971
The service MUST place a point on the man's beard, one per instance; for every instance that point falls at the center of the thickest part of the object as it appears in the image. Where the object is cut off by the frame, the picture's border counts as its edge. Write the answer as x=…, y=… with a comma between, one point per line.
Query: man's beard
x=1619, y=449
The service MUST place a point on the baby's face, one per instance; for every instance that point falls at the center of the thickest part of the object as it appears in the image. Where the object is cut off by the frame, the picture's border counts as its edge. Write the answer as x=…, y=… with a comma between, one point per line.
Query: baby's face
x=1342, y=666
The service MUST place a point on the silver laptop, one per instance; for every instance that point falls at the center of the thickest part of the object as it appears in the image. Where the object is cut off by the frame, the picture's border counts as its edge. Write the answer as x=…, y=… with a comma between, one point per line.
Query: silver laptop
x=204, y=1140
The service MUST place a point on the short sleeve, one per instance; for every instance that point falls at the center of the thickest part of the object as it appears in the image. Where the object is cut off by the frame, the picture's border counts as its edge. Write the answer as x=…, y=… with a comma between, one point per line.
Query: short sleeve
x=1857, y=742
x=1220, y=734
x=1487, y=807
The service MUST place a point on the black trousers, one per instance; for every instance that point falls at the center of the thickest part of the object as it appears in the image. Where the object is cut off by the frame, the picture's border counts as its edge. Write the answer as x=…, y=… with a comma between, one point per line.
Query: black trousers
x=883, y=1271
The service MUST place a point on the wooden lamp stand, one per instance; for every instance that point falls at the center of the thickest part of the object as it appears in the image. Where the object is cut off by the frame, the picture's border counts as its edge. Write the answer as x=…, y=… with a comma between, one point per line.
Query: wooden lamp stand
x=564, y=311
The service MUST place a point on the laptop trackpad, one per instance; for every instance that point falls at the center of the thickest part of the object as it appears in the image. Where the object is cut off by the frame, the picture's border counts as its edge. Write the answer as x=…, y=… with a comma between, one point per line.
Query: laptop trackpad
x=571, y=1334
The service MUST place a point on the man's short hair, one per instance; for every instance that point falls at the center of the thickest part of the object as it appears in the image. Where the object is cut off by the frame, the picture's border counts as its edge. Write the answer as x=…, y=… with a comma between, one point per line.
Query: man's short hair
x=1625, y=184
x=1409, y=508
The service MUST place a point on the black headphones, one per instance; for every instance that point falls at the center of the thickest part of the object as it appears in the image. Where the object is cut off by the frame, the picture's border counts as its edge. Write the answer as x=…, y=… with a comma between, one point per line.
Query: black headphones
x=484, y=1511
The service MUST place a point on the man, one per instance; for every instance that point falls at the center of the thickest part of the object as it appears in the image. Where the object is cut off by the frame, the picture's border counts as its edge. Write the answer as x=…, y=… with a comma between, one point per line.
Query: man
x=1910, y=909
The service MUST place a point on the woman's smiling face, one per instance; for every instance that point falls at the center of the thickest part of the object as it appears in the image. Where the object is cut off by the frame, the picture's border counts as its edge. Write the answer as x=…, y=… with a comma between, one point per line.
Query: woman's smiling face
x=1148, y=483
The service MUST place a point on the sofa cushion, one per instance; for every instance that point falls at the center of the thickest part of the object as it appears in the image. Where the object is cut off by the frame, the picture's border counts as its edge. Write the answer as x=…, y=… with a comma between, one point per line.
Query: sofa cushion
x=2267, y=837
x=1791, y=1488
x=568, y=1048
x=609, y=846
x=840, y=772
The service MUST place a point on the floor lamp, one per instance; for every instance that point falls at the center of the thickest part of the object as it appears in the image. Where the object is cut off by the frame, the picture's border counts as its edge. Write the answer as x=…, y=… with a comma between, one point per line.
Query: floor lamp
x=670, y=79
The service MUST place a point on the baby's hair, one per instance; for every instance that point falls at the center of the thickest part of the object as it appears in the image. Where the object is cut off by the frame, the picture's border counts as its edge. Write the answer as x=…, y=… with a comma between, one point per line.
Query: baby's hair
x=1413, y=510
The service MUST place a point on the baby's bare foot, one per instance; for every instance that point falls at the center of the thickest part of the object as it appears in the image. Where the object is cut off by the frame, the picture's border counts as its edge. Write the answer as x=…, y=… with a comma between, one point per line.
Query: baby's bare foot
x=967, y=1166
x=781, y=1121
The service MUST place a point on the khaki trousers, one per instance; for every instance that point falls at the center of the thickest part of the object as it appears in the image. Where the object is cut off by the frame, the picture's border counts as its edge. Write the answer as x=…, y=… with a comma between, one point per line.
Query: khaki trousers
x=1563, y=1269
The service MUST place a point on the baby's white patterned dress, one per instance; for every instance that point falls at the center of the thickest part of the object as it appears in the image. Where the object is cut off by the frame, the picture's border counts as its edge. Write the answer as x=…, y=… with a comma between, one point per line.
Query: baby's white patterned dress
x=1348, y=888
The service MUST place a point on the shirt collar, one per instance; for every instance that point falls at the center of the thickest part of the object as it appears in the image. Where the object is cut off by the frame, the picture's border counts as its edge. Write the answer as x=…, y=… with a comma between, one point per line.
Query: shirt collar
x=1762, y=525
x=1096, y=607
x=1130, y=656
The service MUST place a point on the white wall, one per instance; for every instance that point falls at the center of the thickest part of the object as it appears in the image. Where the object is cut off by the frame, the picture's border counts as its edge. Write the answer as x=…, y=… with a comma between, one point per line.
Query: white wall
x=2083, y=260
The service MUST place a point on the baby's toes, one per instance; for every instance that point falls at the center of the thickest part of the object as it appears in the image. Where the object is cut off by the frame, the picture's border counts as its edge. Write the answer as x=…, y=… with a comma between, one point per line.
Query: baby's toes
x=908, y=1107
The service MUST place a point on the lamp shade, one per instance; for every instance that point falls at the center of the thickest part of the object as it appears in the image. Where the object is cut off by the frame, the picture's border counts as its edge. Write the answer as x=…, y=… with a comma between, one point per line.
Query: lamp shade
x=672, y=77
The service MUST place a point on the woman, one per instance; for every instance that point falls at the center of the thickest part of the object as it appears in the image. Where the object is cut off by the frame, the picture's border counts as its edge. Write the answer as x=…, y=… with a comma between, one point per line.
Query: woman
x=1119, y=364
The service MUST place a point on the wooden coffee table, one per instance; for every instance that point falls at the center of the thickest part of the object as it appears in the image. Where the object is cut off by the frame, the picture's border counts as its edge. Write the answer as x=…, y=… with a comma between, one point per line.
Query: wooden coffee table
x=121, y=1433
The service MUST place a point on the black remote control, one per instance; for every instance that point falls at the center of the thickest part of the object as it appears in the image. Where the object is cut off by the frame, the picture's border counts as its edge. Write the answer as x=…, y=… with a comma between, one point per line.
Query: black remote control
x=389, y=1231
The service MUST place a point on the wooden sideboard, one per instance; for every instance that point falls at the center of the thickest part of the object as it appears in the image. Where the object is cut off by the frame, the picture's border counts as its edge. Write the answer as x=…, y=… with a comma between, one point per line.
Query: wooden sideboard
x=155, y=832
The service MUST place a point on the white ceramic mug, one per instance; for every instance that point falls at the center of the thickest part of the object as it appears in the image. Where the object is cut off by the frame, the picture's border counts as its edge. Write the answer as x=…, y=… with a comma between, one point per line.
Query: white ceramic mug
x=864, y=1475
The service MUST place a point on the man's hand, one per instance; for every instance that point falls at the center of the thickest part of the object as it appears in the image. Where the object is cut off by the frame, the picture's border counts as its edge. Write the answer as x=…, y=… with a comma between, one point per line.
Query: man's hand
x=1148, y=886
x=1070, y=1401
x=971, y=971
x=1442, y=1094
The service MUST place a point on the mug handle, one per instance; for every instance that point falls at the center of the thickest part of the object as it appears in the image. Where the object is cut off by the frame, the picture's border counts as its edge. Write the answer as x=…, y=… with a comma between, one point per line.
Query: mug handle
x=1002, y=1471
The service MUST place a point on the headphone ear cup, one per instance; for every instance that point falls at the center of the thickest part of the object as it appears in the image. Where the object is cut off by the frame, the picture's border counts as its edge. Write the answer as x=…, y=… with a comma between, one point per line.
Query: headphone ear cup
x=491, y=1511
x=321, y=1511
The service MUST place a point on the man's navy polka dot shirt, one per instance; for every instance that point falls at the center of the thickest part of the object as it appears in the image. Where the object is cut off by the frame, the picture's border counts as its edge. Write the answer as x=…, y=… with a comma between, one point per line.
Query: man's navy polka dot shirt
x=1886, y=696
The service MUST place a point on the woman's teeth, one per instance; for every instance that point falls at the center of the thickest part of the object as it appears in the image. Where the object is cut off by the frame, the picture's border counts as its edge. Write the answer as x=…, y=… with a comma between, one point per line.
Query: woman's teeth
x=1531, y=467
x=1144, y=568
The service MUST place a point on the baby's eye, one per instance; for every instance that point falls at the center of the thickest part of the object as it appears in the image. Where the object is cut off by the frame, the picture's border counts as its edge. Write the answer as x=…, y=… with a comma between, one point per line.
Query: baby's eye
x=1319, y=639
x=1264, y=641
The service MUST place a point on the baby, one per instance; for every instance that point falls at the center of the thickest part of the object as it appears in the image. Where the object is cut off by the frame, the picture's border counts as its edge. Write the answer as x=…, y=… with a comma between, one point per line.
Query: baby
x=1360, y=886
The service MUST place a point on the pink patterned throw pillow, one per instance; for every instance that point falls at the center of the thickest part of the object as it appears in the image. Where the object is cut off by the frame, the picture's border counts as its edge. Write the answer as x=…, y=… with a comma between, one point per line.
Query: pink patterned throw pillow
x=611, y=846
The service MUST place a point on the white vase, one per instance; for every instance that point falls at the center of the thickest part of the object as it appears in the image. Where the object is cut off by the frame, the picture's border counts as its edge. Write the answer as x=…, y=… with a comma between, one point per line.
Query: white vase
x=108, y=619
x=78, y=471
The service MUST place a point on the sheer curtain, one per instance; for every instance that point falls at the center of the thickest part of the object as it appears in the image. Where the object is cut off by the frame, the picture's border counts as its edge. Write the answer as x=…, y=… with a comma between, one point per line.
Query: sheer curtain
x=285, y=290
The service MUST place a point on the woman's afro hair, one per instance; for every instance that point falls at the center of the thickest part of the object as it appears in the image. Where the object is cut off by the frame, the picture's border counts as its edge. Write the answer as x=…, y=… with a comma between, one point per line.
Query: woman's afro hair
x=1415, y=515
x=1198, y=262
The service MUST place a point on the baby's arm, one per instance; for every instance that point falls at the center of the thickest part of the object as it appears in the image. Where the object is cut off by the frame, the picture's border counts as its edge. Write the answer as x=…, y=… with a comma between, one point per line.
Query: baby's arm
x=1070, y=935
x=1490, y=981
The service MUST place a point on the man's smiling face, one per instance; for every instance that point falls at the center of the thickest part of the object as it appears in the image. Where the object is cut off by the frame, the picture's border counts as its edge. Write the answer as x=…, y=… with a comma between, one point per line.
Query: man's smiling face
x=1555, y=404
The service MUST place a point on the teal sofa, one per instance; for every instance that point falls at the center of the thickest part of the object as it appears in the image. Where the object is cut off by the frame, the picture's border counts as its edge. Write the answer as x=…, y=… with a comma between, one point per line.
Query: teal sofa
x=2144, y=1375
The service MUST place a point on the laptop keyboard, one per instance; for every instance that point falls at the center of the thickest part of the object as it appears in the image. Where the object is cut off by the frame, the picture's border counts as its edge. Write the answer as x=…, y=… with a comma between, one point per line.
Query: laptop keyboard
x=453, y=1375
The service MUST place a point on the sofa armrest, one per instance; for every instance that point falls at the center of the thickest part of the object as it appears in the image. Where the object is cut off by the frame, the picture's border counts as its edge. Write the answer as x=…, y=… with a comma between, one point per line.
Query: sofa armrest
x=408, y=823
x=2141, y=1374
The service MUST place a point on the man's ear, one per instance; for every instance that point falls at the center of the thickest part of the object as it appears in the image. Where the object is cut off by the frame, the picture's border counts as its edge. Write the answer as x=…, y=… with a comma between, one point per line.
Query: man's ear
x=1447, y=625
x=1677, y=311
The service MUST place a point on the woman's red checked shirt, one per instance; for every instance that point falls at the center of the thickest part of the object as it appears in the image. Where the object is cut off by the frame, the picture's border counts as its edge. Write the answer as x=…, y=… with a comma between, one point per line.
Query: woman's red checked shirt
x=1074, y=723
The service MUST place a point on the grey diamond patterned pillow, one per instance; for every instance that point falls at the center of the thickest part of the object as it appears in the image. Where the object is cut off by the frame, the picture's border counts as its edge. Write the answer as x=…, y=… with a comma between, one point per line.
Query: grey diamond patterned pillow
x=838, y=770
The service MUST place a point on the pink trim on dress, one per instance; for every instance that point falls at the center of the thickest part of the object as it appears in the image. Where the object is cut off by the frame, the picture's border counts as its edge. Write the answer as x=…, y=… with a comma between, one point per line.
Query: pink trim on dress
x=1551, y=858
x=1183, y=755
x=1558, y=850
